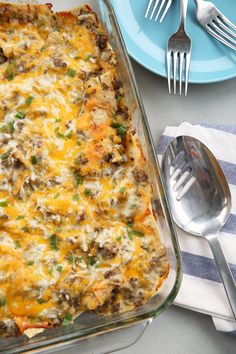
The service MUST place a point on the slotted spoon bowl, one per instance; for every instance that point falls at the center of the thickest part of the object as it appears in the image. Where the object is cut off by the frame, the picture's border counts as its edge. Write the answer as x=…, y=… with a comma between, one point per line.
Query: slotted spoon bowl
x=199, y=198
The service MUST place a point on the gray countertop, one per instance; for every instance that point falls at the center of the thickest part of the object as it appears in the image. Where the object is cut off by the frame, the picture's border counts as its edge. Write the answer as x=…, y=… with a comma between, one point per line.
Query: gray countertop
x=177, y=330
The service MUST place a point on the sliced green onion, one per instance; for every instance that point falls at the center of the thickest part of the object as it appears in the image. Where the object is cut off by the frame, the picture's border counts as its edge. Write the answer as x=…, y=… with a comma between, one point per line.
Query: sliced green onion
x=20, y=115
x=3, y=203
x=75, y=197
x=71, y=259
x=17, y=244
x=121, y=129
x=67, y=320
x=29, y=100
x=71, y=72
x=78, y=178
x=87, y=192
x=87, y=58
x=3, y=302
x=92, y=260
x=20, y=217
x=54, y=242
x=137, y=233
x=6, y=154
x=34, y=160
x=40, y=300
x=122, y=190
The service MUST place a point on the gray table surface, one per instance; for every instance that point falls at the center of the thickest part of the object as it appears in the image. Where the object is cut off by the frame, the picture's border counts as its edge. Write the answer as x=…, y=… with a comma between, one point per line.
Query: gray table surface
x=180, y=331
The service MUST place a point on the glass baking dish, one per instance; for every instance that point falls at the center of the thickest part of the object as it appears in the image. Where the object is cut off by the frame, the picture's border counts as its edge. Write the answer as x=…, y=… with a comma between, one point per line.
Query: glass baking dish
x=105, y=334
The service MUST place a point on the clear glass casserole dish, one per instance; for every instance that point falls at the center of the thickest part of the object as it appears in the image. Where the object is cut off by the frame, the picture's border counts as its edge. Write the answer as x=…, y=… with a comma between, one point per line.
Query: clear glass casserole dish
x=89, y=330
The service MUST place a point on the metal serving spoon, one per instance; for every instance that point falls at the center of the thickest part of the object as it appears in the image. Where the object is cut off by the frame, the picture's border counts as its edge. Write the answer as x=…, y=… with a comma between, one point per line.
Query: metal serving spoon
x=199, y=198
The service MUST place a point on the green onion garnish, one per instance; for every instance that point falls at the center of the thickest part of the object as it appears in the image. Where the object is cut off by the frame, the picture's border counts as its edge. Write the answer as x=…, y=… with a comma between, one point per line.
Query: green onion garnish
x=3, y=203
x=40, y=300
x=34, y=160
x=122, y=190
x=54, y=242
x=29, y=100
x=71, y=72
x=20, y=115
x=67, y=320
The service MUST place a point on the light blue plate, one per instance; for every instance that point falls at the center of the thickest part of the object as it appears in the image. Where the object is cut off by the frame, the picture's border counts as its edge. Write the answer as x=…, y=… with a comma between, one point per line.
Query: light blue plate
x=146, y=40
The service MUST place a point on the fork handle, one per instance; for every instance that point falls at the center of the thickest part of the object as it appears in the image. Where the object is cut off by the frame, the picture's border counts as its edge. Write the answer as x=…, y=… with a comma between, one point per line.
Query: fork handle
x=224, y=270
x=183, y=13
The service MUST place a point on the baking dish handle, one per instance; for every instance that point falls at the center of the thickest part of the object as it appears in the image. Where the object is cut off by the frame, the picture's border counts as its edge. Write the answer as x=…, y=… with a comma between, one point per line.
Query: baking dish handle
x=105, y=343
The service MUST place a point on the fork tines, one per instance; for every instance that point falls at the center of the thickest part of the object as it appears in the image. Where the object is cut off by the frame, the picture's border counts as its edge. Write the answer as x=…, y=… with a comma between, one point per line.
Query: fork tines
x=161, y=6
x=223, y=29
x=177, y=64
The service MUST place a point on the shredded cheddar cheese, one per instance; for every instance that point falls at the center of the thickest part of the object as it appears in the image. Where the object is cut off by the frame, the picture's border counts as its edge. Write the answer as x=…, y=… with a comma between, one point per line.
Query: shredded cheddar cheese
x=77, y=231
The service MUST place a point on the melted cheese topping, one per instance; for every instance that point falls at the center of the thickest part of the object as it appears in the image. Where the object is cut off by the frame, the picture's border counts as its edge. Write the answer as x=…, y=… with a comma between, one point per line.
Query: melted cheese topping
x=77, y=228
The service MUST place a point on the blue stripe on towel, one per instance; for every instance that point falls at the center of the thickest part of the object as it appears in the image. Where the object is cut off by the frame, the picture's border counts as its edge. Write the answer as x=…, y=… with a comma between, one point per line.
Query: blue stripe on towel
x=203, y=267
x=230, y=226
x=232, y=333
x=229, y=171
x=225, y=128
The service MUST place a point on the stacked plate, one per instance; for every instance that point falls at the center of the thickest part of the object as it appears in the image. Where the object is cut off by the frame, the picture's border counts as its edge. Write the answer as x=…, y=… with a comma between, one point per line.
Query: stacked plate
x=146, y=40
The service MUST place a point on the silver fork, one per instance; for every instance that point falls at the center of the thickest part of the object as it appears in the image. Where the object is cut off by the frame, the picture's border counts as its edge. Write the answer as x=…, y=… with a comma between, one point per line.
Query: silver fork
x=215, y=23
x=179, y=52
x=164, y=5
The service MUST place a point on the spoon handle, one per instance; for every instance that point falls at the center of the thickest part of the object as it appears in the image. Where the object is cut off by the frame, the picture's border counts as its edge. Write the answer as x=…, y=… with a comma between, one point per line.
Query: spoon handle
x=224, y=270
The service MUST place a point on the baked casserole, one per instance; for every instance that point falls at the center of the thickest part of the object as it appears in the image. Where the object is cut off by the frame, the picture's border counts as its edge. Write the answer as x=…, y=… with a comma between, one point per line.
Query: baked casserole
x=78, y=232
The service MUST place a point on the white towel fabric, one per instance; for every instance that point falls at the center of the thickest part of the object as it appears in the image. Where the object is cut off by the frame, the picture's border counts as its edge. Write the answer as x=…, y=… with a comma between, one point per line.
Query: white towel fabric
x=201, y=289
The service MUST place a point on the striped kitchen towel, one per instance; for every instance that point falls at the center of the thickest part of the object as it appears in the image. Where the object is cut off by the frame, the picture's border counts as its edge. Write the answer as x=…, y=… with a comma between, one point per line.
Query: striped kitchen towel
x=201, y=289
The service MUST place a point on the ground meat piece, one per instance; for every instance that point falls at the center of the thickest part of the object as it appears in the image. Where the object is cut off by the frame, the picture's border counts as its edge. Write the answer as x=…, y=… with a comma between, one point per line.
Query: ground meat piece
x=108, y=157
x=101, y=40
x=19, y=125
x=105, y=86
x=140, y=176
x=158, y=264
x=82, y=135
x=3, y=58
x=122, y=160
x=155, y=261
x=11, y=160
x=53, y=181
x=139, y=298
x=109, y=274
x=4, y=139
x=108, y=250
x=117, y=84
x=82, y=160
x=32, y=182
x=124, y=112
x=80, y=217
x=64, y=296
x=118, y=87
x=114, y=275
x=115, y=308
x=20, y=68
x=8, y=328
x=58, y=63
x=17, y=164
x=89, y=19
